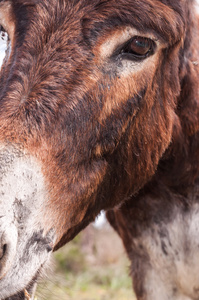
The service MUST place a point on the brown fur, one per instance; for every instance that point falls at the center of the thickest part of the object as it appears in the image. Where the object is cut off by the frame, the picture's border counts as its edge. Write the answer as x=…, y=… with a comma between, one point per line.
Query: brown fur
x=104, y=140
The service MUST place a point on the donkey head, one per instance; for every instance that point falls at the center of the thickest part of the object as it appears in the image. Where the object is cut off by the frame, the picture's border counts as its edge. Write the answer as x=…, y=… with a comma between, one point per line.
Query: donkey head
x=88, y=97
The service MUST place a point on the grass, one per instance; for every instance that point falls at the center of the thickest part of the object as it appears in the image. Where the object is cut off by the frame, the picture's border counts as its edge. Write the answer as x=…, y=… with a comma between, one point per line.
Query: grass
x=91, y=268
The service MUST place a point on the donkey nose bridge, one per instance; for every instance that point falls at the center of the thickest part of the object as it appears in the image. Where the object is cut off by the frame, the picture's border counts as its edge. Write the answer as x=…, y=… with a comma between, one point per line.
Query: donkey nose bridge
x=8, y=247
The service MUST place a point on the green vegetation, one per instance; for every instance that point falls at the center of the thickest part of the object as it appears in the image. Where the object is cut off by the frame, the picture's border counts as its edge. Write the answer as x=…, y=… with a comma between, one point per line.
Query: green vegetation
x=88, y=274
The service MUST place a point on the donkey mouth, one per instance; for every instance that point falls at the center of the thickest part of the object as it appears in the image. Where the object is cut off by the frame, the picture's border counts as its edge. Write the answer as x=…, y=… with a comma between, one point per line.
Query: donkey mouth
x=33, y=256
x=23, y=295
x=27, y=293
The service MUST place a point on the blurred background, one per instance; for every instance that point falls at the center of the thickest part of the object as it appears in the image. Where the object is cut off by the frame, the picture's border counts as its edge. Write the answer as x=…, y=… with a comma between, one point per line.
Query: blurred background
x=93, y=266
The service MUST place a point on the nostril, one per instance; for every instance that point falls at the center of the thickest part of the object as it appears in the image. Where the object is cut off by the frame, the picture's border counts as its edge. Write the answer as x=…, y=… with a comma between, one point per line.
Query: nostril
x=3, y=251
x=6, y=258
x=8, y=248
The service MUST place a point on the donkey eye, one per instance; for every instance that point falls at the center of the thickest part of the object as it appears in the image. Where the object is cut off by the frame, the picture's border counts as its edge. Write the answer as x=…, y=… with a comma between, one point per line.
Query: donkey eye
x=138, y=48
x=4, y=44
x=3, y=34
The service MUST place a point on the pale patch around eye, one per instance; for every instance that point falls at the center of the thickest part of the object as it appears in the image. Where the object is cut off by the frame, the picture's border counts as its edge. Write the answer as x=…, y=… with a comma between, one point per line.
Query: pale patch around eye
x=4, y=45
x=7, y=28
x=110, y=55
x=120, y=37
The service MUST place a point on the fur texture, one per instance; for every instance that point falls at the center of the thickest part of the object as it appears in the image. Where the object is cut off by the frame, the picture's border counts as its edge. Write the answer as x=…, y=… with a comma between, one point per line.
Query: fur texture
x=109, y=131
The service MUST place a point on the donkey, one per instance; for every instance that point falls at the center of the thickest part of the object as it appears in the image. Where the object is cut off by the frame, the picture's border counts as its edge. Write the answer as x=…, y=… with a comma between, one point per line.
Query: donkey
x=99, y=109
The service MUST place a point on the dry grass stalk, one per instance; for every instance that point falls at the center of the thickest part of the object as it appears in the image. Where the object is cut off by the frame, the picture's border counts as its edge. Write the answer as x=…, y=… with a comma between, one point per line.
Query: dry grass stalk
x=27, y=296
